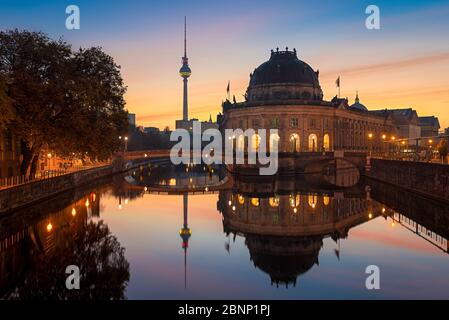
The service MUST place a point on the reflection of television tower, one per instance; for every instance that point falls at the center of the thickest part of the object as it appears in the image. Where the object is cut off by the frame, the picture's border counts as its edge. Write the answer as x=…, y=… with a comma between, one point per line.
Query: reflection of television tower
x=185, y=73
x=185, y=234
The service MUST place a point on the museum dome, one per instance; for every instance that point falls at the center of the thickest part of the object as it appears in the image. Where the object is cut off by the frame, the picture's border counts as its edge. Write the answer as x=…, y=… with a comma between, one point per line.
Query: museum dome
x=284, y=77
x=357, y=105
x=284, y=67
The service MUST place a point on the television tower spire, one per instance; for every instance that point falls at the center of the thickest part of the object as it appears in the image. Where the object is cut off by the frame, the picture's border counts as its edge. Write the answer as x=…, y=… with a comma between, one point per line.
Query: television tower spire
x=185, y=73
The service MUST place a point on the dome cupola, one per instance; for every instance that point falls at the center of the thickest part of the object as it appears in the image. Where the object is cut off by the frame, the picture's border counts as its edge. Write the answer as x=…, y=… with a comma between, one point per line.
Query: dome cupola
x=284, y=77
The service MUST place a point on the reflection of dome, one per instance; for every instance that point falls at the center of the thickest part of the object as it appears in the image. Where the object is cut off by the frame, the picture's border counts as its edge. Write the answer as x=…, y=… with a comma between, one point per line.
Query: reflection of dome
x=283, y=259
x=357, y=105
x=284, y=76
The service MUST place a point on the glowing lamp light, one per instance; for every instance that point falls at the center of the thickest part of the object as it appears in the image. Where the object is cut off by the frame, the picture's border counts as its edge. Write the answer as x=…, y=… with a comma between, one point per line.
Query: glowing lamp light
x=384, y=136
x=126, y=201
x=383, y=210
x=370, y=135
x=295, y=210
x=120, y=206
x=393, y=224
x=49, y=227
x=87, y=203
x=370, y=216
x=73, y=212
x=49, y=155
x=229, y=203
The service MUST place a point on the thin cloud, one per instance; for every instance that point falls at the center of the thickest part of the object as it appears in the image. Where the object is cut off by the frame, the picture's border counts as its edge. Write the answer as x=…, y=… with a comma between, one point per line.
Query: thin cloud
x=392, y=65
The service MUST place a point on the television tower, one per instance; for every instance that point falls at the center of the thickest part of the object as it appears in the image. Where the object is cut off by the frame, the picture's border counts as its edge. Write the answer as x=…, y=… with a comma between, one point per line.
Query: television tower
x=185, y=73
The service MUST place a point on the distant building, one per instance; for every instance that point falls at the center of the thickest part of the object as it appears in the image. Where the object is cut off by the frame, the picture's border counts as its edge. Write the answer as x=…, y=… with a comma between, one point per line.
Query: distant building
x=188, y=125
x=151, y=130
x=132, y=119
x=9, y=154
x=405, y=121
x=430, y=126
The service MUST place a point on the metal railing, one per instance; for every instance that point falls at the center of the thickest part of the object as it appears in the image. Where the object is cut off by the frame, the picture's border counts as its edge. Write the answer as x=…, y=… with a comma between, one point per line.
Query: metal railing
x=9, y=182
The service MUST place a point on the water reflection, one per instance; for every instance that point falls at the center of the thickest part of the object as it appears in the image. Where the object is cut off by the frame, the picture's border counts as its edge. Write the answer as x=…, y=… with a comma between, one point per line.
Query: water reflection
x=283, y=226
x=36, y=248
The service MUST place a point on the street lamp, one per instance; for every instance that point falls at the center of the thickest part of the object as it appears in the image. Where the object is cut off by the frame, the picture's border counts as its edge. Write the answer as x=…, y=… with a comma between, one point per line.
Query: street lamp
x=393, y=139
x=126, y=143
x=370, y=137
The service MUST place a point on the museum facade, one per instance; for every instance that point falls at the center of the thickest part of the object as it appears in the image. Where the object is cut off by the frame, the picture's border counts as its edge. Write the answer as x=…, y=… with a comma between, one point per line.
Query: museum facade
x=284, y=93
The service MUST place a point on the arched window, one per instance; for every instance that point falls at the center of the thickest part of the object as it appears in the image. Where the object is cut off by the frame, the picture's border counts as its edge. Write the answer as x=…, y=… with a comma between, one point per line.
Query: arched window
x=255, y=202
x=313, y=142
x=274, y=139
x=294, y=143
x=326, y=200
x=326, y=142
x=241, y=142
x=255, y=142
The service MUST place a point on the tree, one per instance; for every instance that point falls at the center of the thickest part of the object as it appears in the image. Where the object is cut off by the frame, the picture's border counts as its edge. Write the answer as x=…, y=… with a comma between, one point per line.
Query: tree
x=71, y=102
x=99, y=256
x=442, y=149
x=100, y=116
x=5, y=104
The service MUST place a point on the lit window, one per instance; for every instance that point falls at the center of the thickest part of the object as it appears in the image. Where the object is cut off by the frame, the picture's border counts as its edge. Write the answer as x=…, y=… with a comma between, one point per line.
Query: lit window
x=294, y=143
x=326, y=142
x=255, y=142
x=312, y=200
x=294, y=200
x=255, y=202
x=313, y=142
x=274, y=139
x=274, y=201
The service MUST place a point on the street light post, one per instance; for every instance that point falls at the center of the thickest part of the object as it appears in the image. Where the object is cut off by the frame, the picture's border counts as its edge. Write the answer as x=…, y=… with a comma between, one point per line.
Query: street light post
x=393, y=139
x=370, y=137
x=125, y=146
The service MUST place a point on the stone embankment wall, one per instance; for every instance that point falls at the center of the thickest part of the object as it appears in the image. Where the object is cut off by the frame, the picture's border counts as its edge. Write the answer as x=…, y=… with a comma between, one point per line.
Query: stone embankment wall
x=428, y=179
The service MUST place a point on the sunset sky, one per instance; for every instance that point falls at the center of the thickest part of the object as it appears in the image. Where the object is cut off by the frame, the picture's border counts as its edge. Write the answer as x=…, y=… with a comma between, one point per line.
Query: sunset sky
x=404, y=64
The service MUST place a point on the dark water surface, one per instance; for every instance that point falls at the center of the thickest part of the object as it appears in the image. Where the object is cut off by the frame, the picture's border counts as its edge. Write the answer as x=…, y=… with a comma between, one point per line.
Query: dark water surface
x=142, y=237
